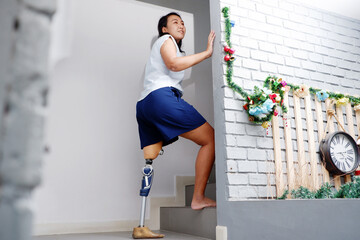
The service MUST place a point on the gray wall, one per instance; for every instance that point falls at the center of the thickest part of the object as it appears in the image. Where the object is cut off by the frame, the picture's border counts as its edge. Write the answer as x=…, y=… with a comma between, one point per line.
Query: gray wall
x=292, y=219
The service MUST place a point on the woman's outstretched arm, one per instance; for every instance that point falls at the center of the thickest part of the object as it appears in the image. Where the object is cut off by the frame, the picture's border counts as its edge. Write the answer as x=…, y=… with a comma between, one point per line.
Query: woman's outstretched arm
x=176, y=64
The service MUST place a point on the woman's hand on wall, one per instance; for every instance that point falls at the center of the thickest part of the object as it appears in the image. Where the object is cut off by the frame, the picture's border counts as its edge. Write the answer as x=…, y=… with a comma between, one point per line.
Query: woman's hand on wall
x=175, y=63
x=210, y=44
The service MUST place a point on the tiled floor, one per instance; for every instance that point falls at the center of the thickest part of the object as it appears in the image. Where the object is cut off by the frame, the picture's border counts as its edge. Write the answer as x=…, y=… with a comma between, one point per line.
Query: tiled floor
x=115, y=236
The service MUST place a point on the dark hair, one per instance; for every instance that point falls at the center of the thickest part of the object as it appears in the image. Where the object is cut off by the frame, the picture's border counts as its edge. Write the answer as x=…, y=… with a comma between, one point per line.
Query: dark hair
x=163, y=23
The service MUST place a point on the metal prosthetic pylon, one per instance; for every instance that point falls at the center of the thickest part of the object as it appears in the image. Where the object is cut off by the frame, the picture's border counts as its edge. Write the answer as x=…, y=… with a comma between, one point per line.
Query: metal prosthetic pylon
x=148, y=174
x=142, y=231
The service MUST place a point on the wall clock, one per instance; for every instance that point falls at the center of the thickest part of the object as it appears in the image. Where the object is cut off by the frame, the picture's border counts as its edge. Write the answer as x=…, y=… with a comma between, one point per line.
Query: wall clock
x=339, y=153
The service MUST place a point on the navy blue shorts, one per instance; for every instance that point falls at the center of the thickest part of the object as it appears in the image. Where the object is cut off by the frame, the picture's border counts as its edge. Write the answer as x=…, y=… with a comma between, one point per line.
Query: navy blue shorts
x=163, y=115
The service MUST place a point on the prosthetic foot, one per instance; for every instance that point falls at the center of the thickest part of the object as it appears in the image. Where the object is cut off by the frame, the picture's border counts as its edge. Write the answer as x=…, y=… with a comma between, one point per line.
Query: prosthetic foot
x=145, y=232
x=141, y=231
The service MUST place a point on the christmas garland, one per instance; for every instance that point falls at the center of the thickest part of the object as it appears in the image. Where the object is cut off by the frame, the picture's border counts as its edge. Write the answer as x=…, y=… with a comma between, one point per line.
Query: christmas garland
x=262, y=104
x=348, y=190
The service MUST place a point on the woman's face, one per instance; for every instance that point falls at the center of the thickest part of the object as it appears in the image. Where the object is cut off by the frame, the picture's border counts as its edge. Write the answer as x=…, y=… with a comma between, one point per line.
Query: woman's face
x=175, y=26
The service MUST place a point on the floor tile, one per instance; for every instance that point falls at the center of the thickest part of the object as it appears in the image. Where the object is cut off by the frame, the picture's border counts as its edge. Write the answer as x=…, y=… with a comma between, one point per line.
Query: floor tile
x=115, y=236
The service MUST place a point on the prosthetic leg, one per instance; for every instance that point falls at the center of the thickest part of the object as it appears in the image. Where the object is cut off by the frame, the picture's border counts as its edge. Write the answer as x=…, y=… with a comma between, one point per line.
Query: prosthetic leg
x=141, y=231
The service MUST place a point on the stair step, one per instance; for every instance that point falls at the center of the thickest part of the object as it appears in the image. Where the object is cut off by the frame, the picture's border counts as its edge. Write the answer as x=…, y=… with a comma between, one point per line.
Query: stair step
x=200, y=223
x=210, y=192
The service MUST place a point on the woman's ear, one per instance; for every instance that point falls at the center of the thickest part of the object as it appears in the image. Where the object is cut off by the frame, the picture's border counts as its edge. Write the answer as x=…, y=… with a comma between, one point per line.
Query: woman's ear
x=164, y=29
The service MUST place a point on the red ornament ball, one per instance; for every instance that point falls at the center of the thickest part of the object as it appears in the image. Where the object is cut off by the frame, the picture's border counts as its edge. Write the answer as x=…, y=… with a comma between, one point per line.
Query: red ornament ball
x=226, y=49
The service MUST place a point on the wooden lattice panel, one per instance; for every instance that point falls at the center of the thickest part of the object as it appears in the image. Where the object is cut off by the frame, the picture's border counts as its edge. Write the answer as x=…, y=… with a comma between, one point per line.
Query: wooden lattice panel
x=310, y=172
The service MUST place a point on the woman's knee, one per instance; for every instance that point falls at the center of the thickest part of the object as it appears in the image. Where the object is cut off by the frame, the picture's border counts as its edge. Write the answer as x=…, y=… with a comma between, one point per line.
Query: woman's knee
x=203, y=135
x=209, y=134
x=210, y=139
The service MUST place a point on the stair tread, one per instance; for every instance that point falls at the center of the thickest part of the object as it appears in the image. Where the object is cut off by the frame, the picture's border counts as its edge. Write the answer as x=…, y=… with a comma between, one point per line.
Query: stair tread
x=188, y=207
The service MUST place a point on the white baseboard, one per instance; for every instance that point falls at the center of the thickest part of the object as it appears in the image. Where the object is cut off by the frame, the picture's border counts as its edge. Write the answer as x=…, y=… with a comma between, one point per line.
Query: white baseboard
x=126, y=225
x=84, y=227
x=221, y=233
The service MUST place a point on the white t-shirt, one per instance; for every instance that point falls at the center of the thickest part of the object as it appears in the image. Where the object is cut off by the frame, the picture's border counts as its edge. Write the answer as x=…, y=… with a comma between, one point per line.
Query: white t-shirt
x=157, y=75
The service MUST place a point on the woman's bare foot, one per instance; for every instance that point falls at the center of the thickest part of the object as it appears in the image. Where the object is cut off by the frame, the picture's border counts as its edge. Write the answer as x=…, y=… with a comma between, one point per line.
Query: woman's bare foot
x=198, y=204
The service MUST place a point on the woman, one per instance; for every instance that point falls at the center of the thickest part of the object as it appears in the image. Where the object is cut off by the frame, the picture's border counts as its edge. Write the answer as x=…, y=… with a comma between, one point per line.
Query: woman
x=163, y=115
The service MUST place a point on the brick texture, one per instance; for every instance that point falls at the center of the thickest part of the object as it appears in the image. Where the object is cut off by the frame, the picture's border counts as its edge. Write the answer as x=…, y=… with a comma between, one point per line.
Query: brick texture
x=303, y=46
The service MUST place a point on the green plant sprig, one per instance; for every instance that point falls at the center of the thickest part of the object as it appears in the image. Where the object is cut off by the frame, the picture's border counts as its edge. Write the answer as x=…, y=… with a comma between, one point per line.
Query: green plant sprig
x=348, y=190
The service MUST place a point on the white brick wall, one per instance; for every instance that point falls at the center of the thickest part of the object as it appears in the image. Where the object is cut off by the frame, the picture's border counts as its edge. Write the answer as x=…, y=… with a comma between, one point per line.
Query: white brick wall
x=303, y=46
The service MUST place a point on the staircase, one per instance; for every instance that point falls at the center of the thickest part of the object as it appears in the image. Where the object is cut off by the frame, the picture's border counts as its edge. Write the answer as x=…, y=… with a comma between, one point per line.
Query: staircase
x=200, y=223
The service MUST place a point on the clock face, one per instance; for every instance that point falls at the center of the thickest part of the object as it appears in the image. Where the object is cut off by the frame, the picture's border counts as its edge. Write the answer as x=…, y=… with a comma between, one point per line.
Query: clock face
x=343, y=153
